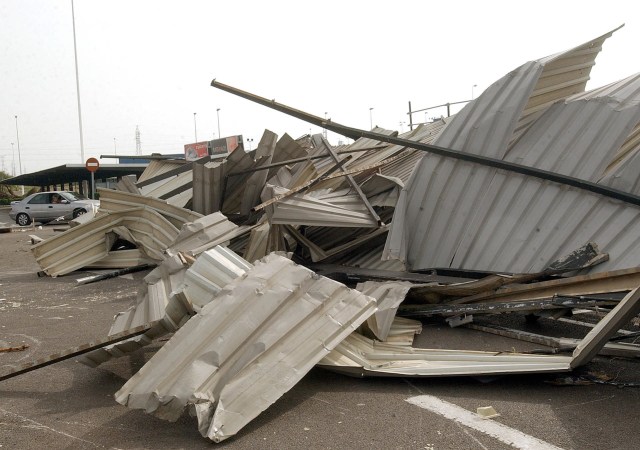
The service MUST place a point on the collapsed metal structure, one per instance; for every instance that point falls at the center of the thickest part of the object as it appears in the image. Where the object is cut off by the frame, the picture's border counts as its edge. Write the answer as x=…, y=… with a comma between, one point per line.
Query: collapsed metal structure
x=300, y=253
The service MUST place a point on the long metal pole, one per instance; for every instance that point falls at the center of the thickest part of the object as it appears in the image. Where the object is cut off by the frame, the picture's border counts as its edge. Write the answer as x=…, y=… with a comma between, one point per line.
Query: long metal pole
x=75, y=53
x=195, y=128
x=19, y=156
x=355, y=133
x=218, y=114
x=18, y=141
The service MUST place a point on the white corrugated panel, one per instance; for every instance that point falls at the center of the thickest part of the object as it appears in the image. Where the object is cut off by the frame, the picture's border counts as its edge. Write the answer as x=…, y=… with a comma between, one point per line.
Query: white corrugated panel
x=112, y=200
x=248, y=347
x=213, y=270
x=359, y=355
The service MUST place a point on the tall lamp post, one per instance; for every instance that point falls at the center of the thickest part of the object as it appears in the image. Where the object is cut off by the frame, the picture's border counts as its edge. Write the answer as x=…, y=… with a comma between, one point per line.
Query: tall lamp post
x=13, y=161
x=18, y=141
x=218, y=115
x=472, y=88
x=250, y=141
x=19, y=156
x=195, y=128
x=371, y=118
x=75, y=54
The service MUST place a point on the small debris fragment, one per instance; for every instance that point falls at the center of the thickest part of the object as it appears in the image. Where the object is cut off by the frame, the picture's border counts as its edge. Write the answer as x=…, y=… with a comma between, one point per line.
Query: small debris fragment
x=487, y=412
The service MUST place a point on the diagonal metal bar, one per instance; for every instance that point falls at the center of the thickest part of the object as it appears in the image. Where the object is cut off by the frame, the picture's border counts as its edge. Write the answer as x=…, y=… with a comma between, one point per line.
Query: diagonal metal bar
x=355, y=133
x=319, y=142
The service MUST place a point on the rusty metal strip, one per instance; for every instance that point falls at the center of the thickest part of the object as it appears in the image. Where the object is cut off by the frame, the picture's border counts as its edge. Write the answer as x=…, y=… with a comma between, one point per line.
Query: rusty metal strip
x=74, y=351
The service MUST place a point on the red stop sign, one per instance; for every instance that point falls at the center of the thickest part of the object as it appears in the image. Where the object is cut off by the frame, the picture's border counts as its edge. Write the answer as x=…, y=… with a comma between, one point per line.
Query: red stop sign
x=92, y=164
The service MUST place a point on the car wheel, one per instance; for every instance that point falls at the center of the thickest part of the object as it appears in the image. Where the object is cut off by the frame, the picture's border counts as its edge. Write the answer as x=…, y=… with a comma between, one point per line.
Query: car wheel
x=78, y=212
x=23, y=219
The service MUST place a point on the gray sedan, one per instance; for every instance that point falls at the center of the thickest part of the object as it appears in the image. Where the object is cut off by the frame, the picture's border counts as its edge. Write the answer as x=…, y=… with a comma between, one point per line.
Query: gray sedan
x=45, y=207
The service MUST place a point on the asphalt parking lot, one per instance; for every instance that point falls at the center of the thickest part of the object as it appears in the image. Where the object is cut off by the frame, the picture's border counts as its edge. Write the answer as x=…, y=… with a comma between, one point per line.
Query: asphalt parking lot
x=71, y=406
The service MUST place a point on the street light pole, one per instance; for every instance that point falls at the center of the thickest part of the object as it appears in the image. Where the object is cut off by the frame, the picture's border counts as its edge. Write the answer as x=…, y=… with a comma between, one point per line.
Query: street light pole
x=195, y=128
x=218, y=114
x=13, y=161
x=472, y=88
x=371, y=118
x=19, y=156
x=18, y=141
x=250, y=141
x=75, y=53
x=115, y=149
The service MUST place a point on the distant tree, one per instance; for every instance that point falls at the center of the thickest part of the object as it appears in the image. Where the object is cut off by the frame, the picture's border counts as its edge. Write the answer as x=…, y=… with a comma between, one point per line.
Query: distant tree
x=6, y=191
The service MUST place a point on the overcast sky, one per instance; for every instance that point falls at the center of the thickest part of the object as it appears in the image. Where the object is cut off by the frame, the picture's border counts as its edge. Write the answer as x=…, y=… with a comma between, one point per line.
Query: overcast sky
x=150, y=64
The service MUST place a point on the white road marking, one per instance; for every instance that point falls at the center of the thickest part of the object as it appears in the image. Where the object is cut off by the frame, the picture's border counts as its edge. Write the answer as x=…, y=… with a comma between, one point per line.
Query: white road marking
x=503, y=433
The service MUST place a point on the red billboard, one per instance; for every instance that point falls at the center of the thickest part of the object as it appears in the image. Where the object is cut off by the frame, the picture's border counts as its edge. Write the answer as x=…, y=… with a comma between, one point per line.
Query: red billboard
x=196, y=150
x=216, y=147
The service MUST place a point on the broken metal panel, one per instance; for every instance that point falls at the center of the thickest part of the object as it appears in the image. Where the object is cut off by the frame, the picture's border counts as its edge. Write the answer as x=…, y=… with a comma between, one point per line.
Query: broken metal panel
x=582, y=135
x=209, y=179
x=158, y=167
x=286, y=149
x=622, y=171
x=564, y=75
x=606, y=328
x=370, y=257
x=383, y=190
x=78, y=246
x=243, y=351
x=305, y=210
x=205, y=233
x=622, y=280
x=358, y=355
x=112, y=200
x=120, y=259
x=166, y=189
x=128, y=184
x=264, y=239
x=213, y=270
x=523, y=224
x=150, y=230
x=389, y=295
x=320, y=254
x=256, y=181
x=439, y=200
x=233, y=188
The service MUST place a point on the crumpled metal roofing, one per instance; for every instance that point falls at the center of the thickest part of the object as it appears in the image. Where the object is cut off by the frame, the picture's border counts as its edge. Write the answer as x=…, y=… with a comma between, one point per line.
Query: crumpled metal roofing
x=459, y=214
x=247, y=347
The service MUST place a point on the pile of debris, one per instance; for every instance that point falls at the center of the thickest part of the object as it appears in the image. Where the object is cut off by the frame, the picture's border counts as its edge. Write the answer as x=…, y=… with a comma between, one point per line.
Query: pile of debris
x=299, y=253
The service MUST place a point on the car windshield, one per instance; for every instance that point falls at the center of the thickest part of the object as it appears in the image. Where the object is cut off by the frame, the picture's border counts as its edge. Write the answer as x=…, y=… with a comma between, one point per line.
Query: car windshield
x=73, y=196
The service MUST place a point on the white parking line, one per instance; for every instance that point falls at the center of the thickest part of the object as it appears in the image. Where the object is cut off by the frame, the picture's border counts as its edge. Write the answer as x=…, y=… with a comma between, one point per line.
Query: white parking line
x=494, y=429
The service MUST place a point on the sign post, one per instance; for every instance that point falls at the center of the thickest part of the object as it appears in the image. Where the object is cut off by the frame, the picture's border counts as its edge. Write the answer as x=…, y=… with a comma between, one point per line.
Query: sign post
x=92, y=165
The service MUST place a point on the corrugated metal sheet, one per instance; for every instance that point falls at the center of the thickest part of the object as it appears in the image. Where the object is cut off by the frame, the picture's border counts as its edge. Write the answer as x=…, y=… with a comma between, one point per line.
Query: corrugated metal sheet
x=435, y=210
x=346, y=211
x=578, y=137
x=247, y=348
x=78, y=246
x=358, y=355
x=158, y=167
x=213, y=270
x=112, y=200
x=389, y=295
x=205, y=233
x=120, y=259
